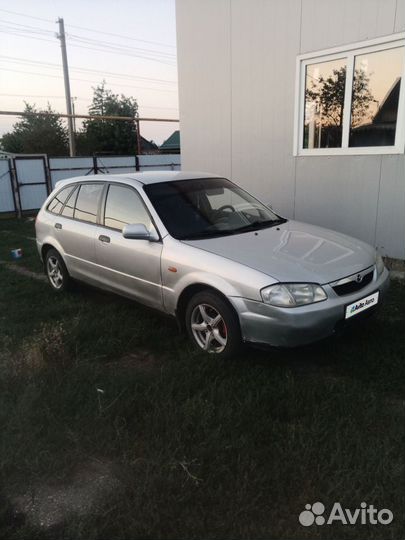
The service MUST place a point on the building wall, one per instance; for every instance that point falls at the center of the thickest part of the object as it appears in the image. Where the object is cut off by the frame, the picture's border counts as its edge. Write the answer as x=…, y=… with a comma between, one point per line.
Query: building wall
x=237, y=61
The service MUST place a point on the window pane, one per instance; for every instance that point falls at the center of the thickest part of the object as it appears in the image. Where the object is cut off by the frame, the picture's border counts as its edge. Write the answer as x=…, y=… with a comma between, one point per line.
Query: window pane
x=324, y=99
x=123, y=207
x=87, y=202
x=59, y=200
x=375, y=96
x=70, y=205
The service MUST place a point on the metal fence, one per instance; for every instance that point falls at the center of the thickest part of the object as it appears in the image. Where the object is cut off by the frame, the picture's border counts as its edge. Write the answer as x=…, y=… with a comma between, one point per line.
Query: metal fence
x=26, y=181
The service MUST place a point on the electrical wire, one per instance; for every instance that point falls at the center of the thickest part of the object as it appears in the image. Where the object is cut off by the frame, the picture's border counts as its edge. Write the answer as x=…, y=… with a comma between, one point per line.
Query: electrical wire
x=87, y=70
x=87, y=80
x=88, y=29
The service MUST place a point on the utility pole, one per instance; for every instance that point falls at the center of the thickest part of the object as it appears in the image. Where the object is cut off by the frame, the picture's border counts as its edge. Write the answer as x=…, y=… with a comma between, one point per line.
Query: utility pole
x=61, y=37
x=73, y=112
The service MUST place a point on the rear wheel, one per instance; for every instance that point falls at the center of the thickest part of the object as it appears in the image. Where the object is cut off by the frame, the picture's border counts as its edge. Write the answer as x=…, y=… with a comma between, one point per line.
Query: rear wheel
x=212, y=324
x=56, y=271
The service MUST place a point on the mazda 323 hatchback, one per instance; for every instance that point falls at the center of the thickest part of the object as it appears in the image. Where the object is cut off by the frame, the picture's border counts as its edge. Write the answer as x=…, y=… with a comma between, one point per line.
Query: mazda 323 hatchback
x=202, y=249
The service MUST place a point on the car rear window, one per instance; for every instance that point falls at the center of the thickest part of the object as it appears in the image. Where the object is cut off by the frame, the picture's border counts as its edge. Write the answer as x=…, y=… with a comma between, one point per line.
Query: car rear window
x=56, y=204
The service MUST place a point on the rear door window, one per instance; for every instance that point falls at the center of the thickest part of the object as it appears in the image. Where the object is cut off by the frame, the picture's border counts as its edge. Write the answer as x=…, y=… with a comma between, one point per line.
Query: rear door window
x=87, y=202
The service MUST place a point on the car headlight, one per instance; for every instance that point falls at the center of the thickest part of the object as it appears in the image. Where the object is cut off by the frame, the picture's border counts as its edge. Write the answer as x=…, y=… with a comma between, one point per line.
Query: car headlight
x=379, y=264
x=293, y=294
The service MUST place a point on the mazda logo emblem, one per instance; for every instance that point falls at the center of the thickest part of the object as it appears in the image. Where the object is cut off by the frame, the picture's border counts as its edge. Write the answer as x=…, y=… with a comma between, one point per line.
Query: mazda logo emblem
x=359, y=278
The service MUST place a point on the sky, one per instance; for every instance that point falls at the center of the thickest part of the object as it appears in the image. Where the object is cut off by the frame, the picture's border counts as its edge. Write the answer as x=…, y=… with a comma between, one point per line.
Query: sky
x=131, y=44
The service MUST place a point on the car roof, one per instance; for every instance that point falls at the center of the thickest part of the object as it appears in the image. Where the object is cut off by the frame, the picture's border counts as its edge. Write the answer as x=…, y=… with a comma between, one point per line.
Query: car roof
x=150, y=177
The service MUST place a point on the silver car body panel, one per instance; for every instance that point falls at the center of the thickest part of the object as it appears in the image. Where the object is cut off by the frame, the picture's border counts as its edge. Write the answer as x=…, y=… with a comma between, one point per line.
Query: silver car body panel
x=238, y=266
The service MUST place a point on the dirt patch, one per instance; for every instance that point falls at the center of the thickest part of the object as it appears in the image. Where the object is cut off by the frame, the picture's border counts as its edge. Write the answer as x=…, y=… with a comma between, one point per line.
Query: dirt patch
x=141, y=359
x=396, y=274
x=23, y=271
x=49, y=504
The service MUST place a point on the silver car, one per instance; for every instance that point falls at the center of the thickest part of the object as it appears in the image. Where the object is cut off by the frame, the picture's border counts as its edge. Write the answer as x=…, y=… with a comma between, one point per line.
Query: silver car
x=202, y=249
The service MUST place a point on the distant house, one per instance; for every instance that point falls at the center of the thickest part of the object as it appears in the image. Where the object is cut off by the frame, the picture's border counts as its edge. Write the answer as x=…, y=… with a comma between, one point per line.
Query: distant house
x=6, y=155
x=148, y=147
x=382, y=129
x=172, y=144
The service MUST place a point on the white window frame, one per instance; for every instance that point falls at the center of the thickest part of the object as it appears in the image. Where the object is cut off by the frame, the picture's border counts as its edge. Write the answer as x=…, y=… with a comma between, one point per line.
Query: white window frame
x=347, y=52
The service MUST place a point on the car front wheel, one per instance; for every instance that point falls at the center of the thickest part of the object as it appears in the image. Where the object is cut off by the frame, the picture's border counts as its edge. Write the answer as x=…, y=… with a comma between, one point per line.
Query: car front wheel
x=213, y=325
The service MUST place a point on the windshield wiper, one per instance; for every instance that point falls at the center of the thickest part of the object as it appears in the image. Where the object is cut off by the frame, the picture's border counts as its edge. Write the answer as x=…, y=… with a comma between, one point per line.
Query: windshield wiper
x=255, y=225
x=207, y=234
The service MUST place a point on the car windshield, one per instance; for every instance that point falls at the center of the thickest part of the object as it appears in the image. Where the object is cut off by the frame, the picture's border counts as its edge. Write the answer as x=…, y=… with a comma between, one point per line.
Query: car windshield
x=208, y=207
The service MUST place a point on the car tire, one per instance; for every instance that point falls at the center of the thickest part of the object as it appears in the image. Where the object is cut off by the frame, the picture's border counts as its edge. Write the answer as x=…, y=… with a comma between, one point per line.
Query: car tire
x=212, y=324
x=56, y=271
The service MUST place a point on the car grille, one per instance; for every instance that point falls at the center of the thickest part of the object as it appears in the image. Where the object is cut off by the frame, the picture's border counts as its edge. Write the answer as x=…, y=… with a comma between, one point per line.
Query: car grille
x=353, y=286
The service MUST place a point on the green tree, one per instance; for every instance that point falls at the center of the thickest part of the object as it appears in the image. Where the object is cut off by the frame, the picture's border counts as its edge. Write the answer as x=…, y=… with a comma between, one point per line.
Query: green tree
x=329, y=93
x=109, y=136
x=37, y=134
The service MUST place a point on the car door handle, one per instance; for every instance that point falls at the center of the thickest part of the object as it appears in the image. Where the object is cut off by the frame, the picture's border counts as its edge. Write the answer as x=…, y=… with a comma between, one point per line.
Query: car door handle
x=105, y=239
x=58, y=225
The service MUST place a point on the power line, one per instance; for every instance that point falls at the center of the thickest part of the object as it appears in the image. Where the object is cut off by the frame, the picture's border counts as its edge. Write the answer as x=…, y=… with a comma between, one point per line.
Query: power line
x=89, y=29
x=25, y=15
x=15, y=33
x=104, y=43
x=87, y=80
x=112, y=73
x=84, y=99
x=41, y=31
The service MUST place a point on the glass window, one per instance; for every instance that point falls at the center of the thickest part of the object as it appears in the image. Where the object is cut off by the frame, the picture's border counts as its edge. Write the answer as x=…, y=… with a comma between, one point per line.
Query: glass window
x=87, y=202
x=351, y=101
x=324, y=100
x=208, y=207
x=70, y=204
x=59, y=200
x=375, y=97
x=124, y=206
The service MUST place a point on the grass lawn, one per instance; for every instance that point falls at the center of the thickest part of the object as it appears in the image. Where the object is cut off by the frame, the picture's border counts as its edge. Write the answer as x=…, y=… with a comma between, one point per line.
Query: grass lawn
x=202, y=448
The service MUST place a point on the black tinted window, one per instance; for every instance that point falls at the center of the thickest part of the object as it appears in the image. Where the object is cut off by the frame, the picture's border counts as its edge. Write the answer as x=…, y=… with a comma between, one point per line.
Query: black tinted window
x=207, y=207
x=59, y=200
x=87, y=202
x=124, y=206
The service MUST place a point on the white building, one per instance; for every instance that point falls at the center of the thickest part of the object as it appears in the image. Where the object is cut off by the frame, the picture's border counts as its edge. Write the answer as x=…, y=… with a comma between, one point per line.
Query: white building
x=300, y=101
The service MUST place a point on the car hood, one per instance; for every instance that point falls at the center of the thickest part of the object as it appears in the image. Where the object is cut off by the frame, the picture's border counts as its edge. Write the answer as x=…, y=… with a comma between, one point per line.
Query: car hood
x=294, y=252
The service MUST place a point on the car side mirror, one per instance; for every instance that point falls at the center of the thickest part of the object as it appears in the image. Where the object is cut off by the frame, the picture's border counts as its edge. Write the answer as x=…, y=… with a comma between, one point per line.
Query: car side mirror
x=138, y=231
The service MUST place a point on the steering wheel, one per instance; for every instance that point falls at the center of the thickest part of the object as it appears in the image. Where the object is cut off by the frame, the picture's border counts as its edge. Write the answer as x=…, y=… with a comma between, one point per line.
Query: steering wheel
x=224, y=207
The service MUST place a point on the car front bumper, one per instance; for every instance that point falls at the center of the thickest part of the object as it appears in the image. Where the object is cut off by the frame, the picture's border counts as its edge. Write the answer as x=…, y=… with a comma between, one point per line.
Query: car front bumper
x=292, y=327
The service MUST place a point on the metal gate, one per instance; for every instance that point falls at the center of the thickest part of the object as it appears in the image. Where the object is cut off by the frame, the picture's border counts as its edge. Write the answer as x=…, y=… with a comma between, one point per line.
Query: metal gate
x=32, y=181
x=7, y=195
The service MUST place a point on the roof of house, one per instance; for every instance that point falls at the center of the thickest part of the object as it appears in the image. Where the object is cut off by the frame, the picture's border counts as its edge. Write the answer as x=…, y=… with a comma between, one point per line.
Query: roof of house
x=173, y=142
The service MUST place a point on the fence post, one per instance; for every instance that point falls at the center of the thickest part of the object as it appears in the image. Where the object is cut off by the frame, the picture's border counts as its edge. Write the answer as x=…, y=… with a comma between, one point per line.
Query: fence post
x=15, y=186
x=95, y=167
x=47, y=174
x=137, y=167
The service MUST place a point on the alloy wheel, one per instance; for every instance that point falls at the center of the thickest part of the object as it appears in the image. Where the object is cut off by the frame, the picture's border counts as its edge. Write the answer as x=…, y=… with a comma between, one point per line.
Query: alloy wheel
x=209, y=328
x=54, y=271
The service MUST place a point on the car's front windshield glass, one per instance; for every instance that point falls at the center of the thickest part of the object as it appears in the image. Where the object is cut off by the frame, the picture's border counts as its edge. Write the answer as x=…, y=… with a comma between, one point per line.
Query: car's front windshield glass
x=208, y=207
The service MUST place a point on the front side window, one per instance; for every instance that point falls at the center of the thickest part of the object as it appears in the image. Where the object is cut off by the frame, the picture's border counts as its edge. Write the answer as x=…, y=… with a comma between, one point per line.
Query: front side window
x=87, y=202
x=351, y=102
x=123, y=207
x=59, y=200
x=208, y=207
